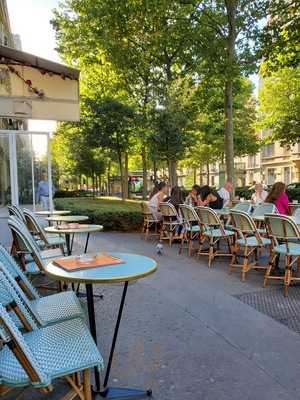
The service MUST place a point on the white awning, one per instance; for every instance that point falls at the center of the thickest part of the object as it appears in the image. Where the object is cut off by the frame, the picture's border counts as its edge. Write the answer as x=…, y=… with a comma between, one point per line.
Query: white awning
x=34, y=88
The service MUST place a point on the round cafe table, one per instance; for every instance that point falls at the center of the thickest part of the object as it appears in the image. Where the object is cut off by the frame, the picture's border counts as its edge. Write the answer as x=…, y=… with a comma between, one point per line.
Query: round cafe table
x=67, y=218
x=47, y=213
x=134, y=267
x=88, y=229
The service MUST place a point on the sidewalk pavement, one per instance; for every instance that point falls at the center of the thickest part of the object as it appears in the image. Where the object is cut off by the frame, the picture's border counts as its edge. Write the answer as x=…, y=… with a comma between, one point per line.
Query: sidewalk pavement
x=184, y=334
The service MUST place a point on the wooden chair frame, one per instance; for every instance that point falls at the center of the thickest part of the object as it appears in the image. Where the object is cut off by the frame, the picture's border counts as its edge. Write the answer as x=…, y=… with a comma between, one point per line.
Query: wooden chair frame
x=209, y=220
x=287, y=240
x=170, y=222
x=149, y=222
x=245, y=227
x=79, y=382
x=190, y=218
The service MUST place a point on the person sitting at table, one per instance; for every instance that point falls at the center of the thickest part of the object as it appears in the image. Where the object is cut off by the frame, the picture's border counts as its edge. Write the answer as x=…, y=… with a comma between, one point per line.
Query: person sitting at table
x=157, y=199
x=154, y=190
x=210, y=198
x=278, y=197
x=176, y=197
x=193, y=197
x=224, y=193
x=260, y=195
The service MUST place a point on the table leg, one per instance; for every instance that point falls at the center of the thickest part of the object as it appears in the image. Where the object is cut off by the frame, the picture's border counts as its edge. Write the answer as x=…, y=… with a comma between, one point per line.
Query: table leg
x=119, y=393
x=92, y=321
x=72, y=241
x=68, y=244
x=87, y=242
x=85, y=251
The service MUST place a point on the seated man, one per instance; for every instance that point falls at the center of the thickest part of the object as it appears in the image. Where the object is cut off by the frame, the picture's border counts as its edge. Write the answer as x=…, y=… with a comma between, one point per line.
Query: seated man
x=224, y=193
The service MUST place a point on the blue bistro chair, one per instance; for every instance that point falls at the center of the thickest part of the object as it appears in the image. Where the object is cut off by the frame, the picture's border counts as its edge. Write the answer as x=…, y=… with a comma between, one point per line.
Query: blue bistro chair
x=249, y=240
x=213, y=232
x=43, y=239
x=191, y=227
x=27, y=252
x=259, y=214
x=44, y=310
x=38, y=357
x=16, y=212
x=285, y=237
x=25, y=249
x=244, y=206
x=170, y=222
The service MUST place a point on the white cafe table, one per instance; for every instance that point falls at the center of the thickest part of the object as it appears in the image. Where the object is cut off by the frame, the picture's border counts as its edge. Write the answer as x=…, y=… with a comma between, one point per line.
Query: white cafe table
x=88, y=229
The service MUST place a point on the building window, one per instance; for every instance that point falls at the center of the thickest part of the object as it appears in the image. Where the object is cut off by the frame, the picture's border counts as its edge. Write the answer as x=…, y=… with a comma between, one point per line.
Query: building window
x=268, y=150
x=271, y=176
x=287, y=175
x=252, y=161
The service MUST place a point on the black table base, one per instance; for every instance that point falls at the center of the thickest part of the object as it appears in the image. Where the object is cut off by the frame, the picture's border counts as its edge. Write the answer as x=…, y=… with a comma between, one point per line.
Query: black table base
x=121, y=394
x=108, y=392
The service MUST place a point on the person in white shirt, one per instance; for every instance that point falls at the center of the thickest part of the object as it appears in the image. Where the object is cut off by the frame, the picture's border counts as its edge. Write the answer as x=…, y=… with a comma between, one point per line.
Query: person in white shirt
x=260, y=195
x=224, y=193
x=154, y=202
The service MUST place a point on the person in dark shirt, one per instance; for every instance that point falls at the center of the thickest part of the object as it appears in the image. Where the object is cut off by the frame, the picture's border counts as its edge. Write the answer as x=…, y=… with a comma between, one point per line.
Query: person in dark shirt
x=176, y=197
x=211, y=198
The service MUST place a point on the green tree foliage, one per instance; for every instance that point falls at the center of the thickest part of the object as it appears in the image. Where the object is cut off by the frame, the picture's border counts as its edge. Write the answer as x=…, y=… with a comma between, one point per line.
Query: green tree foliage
x=151, y=47
x=280, y=105
x=228, y=33
x=73, y=156
x=109, y=124
x=281, y=36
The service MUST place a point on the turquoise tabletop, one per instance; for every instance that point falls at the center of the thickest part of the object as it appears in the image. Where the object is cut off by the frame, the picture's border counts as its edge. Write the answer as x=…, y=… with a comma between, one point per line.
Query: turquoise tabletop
x=296, y=220
x=134, y=267
x=259, y=218
x=223, y=211
x=89, y=228
x=68, y=218
x=53, y=212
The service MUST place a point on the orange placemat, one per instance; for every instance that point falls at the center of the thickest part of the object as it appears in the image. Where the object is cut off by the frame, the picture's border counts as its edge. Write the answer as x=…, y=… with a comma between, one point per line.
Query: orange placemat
x=75, y=264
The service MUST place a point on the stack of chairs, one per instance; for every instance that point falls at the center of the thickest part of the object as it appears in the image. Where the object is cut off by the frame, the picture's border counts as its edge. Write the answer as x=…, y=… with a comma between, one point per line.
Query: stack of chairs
x=42, y=338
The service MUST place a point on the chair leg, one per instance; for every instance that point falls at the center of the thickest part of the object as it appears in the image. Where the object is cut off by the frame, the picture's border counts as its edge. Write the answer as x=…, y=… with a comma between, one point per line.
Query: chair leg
x=210, y=253
x=245, y=264
x=233, y=258
x=147, y=231
x=287, y=275
x=87, y=385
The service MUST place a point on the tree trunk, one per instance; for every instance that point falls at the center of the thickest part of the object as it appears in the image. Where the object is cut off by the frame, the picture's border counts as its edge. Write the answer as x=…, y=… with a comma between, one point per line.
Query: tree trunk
x=231, y=7
x=108, y=179
x=173, y=178
x=229, y=151
x=154, y=171
x=100, y=184
x=201, y=175
x=125, y=177
x=121, y=175
x=145, y=174
x=207, y=173
x=195, y=175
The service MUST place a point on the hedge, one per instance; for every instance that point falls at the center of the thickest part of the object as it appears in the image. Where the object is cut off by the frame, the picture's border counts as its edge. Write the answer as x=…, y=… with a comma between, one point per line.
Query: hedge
x=114, y=214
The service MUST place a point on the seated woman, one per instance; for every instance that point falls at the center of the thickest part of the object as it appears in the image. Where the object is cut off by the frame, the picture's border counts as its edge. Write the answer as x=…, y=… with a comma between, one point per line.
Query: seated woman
x=210, y=198
x=278, y=197
x=176, y=197
x=154, y=202
x=193, y=197
x=260, y=195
